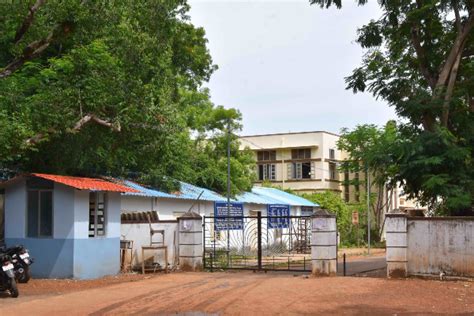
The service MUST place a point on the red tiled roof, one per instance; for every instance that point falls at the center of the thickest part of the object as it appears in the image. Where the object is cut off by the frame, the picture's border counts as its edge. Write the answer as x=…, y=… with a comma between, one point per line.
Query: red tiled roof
x=85, y=183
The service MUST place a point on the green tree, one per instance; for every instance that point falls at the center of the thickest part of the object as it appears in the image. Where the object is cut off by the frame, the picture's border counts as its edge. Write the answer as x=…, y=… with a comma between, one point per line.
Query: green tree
x=333, y=202
x=369, y=151
x=419, y=58
x=109, y=88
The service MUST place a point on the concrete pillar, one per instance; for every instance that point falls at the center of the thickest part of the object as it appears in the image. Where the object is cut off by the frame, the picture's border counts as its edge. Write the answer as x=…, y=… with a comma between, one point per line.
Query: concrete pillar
x=190, y=248
x=397, y=245
x=324, y=243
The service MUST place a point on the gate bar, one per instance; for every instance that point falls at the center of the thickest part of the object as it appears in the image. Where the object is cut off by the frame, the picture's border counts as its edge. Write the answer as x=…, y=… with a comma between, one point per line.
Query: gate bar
x=259, y=239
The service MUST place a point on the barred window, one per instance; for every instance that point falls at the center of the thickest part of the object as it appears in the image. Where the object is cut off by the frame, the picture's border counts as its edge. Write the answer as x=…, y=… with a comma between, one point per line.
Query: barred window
x=97, y=209
x=266, y=172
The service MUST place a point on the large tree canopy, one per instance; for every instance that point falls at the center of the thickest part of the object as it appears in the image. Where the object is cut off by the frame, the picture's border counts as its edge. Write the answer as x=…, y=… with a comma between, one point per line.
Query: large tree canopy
x=111, y=87
x=420, y=59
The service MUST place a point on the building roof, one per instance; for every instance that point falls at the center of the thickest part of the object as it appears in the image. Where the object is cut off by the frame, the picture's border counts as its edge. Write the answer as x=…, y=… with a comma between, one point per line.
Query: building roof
x=253, y=198
x=291, y=133
x=187, y=192
x=81, y=183
x=283, y=197
x=265, y=196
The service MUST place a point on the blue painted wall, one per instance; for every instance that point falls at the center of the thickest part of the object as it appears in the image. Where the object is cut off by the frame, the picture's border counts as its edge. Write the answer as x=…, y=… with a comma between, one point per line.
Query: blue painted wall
x=96, y=257
x=53, y=257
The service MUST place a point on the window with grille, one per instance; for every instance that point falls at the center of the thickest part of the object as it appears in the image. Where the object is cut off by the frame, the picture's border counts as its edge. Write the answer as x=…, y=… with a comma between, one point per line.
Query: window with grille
x=332, y=154
x=332, y=171
x=301, y=153
x=266, y=172
x=301, y=170
x=266, y=155
x=97, y=209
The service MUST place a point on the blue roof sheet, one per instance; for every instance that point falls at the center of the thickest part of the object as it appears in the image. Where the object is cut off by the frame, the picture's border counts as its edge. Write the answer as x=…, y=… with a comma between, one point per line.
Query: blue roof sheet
x=259, y=195
x=194, y=191
x=283, y=197
x=187, y=192
x=253, y=198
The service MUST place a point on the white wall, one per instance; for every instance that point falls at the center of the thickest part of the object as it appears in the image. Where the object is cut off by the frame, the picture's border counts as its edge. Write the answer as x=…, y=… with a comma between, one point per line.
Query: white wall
x=168, y=209
x=436, y=245
x=140, y=234
x=63, y=208
x=16, y=213
x=15, y=210
x=81, y=214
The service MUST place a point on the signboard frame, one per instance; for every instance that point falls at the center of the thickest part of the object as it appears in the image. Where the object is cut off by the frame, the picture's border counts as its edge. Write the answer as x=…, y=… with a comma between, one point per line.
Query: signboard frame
x=278, y=216
x=223, y=222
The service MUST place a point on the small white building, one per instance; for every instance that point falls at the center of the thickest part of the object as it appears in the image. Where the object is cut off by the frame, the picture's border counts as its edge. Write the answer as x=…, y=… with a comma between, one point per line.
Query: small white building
x=70, y=225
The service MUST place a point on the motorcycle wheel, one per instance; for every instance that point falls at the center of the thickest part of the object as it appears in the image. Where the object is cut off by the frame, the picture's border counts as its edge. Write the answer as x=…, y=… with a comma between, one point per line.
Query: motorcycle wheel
x=13, y=289
x=25, y=276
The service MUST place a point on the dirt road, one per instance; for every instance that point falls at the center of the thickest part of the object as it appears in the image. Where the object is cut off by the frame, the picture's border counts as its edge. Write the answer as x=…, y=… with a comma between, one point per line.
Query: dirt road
x=249, y=293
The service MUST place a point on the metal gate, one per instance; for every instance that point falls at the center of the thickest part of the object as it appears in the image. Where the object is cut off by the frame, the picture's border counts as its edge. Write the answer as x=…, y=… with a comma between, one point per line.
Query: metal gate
x=277, y=243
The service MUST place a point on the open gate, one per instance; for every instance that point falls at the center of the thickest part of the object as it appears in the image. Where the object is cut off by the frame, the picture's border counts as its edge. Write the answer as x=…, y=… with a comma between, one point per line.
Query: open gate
x=276, y=243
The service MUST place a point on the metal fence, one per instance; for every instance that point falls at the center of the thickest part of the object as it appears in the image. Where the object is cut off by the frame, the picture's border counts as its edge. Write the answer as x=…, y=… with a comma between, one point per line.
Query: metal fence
x=279, y=243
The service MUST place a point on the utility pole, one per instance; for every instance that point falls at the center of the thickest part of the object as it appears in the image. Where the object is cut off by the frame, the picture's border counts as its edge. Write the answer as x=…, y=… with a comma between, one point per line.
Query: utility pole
x=368, y=209
x=228, y=190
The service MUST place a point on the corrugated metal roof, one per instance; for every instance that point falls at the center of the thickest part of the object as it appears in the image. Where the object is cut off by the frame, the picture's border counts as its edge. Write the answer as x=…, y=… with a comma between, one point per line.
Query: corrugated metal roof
x=144, y=191
x=85, y=183
x=194, y=191
x=187, y=192
x=253, y=198
x=283, y=197
x=259, y=195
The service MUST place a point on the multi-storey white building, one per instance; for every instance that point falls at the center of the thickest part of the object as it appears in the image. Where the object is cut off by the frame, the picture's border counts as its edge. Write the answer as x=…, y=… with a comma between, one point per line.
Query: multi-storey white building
x=303, y=162
x=308, y=162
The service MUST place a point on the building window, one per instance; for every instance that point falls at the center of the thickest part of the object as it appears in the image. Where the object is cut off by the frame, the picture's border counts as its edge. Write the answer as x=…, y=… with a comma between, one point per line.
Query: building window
x=302, y=153
x=266, y=155
x=347, y=196
x=332, y=171
x=301, y=170
x=266, y=172
x=332, y=154
x=97, y=214
x=39, y=208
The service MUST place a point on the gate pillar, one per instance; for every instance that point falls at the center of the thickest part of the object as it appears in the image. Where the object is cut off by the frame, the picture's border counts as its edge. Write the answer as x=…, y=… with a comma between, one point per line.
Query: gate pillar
x=190, y=246
x=324, y=243
x=396, y=241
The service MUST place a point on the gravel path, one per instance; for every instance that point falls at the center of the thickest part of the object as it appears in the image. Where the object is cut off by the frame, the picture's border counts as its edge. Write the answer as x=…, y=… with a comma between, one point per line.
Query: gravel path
x=243, y=293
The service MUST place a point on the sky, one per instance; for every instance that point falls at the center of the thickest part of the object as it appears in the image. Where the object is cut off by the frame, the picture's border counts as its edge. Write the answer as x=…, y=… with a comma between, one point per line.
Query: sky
x=283, y=63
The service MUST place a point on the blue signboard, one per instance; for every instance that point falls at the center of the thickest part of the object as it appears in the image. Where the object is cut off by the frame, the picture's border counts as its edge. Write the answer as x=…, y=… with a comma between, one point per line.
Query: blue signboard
x=278, y=216
x=225, y=220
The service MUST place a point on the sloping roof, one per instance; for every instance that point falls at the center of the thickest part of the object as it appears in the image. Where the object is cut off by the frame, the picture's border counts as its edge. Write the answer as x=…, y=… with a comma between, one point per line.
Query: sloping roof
x=186, y=192
x=283, y=197
x=259, y=195
x=144, y=191
x=253, y=198
x=194, y=191
x=85, y=183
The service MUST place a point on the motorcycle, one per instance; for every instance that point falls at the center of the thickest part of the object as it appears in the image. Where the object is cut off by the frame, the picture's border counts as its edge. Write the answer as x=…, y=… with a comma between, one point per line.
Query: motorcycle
x=21, y=261
x=7, y=275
